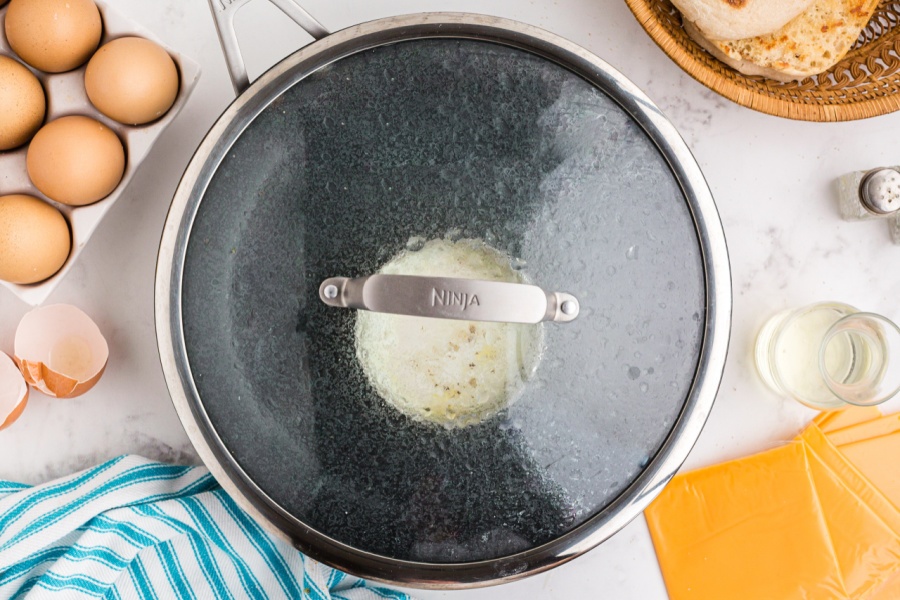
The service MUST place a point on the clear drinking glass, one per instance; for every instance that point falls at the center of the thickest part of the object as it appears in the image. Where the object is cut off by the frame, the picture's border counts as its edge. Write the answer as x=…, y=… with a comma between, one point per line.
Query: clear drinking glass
x=830, y=354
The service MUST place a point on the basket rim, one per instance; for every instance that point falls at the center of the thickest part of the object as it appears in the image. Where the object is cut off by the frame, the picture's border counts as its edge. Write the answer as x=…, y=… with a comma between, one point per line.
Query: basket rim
x=747, y=97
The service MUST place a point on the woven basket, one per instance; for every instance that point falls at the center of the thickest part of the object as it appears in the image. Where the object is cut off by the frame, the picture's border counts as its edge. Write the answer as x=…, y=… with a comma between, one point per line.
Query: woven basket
x=866, y=83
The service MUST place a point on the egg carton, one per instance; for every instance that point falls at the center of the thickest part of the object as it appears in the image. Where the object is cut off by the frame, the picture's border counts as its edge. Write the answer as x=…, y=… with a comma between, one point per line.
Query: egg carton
x=66, y=96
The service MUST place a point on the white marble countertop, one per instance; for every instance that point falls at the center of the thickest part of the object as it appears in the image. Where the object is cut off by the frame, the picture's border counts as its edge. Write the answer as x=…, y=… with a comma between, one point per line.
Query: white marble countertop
x=772, y=180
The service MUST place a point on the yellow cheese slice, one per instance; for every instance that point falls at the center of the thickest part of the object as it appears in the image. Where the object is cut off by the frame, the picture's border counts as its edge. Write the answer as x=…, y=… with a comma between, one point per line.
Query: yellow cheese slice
x=863, y=526
x=889, y=591
x=749, y=528
x=863, y=431
x=838, y=419
x=876, y=460
x=799, y=521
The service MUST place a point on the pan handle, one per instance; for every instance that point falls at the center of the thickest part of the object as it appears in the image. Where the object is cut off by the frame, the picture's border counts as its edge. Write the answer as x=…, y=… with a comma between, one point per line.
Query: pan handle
x=450, y=298
x=224, y=11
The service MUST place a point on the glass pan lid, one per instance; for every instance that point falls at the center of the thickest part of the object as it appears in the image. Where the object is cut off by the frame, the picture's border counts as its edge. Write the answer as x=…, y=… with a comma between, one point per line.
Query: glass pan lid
x=427, y=139
x=378, y=154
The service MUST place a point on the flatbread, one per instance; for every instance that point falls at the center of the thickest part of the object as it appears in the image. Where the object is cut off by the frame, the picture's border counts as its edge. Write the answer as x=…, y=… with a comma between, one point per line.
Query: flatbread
x=739, y=19
x=810, y=44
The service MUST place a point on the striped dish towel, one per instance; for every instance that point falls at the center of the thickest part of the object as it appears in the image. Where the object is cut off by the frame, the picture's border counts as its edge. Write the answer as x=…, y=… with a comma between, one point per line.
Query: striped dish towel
x=133, y=528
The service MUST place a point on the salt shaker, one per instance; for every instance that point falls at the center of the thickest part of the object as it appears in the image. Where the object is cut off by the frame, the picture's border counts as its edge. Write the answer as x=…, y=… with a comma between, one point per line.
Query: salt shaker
x=875, y=194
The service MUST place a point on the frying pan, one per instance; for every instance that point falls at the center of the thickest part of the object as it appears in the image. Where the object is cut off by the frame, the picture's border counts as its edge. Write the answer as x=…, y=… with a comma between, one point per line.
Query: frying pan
x=363, y=146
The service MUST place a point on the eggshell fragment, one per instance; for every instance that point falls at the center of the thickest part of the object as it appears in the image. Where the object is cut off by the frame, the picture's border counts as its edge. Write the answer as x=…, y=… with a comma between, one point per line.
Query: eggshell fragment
x=60, y=350
x=13, y=392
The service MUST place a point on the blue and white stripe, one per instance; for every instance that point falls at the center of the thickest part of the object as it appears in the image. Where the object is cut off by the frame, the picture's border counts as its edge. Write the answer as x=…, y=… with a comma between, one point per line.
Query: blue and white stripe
x=133, y=528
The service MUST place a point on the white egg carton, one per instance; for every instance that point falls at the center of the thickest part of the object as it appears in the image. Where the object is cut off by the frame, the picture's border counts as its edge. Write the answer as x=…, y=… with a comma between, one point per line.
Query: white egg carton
x=66, y=96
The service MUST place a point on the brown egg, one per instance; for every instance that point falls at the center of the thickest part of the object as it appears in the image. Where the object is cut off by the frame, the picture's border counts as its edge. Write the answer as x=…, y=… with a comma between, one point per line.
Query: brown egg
x=132, y=80
x=76, y=160
x=22, y=104
x=34, y=239
x=53, y=35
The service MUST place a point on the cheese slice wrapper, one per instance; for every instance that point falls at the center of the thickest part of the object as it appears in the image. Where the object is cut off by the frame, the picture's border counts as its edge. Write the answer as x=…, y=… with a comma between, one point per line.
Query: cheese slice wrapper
x=889, y=591
x=872, y=447
x=874, y=457
x=799, y=521
x=833, y=420
x=865, y=431
x=863, y=525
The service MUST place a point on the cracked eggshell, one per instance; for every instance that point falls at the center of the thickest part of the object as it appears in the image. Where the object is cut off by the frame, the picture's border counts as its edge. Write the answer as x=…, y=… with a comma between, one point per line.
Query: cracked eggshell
x=13, y=392
x=60, y=350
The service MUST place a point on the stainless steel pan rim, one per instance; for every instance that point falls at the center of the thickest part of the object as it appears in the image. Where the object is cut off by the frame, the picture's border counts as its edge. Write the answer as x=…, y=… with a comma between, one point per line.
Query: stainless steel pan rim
x=169, y=279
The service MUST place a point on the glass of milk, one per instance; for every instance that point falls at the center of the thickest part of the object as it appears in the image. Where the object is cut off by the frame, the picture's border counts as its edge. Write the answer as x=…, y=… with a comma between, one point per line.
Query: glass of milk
x=830, y=354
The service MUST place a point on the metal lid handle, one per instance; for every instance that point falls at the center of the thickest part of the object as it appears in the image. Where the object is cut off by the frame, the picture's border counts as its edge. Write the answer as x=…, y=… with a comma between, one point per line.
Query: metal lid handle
x=223, y=12
x=450, y=298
